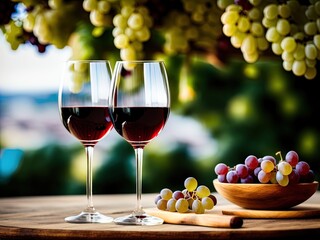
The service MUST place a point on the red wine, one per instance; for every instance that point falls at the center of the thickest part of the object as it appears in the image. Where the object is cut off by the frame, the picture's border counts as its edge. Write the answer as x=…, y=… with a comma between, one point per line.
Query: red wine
x=88, y=124
x=139, y=125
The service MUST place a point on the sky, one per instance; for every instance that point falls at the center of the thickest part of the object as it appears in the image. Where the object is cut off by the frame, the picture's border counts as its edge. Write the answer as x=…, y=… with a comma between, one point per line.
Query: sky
x=25, y=70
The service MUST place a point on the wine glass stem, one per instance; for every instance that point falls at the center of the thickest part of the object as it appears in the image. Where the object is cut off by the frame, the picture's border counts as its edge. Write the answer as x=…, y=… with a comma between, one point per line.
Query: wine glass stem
x=139, y=160
x=89, y=153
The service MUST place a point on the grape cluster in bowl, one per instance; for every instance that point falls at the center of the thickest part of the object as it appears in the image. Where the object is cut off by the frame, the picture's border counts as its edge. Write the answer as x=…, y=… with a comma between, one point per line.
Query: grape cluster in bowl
x=267, y=170
x=193, y=198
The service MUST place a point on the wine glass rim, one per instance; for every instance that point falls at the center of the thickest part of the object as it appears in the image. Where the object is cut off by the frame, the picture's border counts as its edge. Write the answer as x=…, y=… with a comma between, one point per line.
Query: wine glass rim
x=140, y=61
x=87, y=60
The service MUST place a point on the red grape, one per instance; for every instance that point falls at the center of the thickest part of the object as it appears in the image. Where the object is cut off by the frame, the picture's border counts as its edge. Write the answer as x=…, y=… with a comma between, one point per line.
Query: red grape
x=302, y=168
x=251, y=162
x=292, y=158
x=242, y=170
x=232, y=176
x=221, y=169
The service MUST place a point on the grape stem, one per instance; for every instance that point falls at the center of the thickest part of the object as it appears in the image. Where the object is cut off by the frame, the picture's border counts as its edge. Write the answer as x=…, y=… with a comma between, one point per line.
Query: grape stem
x=279, y=153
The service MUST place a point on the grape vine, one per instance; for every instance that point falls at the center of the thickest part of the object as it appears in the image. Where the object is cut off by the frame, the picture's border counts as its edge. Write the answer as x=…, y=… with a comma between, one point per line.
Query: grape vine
x=140, y=29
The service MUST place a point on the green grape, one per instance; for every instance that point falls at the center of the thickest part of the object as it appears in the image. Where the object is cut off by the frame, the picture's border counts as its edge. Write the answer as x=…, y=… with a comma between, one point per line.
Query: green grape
x=276, y=48
x=55, y=4
x=135, y=21
x=299, y=67
x=311, y=51
x=197, y=207
x=257, y=29
x=311, y=62
x=89, y=5
x=171, y=205
x=182, y=205
x=98, y=19
x=207, y=203
x=284, y=168
x=267, y=166
x=262, y=43
x=229, y=29
x=28, y=22
x=162, y=204
x=120, y=21
x=255, y=14
x=128, y=53
x=287, y=65
x=103, y=6
x=310, y=73
x=255, y=2
x=202, y=191
x=166, y=194
x=223, y=4
x=237, y=39
x=311, y=13
x=249, y=44
x=299, y=52
x=143, y=34
x=271, y=11
x=284, y=11
x=273, y=178
x=283, y=27
x=230, y=17
x=190, y=184
x=288, y=44
x=117, y=31
x=272, y=35
x=80, y=67
x=317, y=7
x=316, y=41
x=283, y=180
x=287, y=56
x=121, y=41
x=310, y=28
x=268, y=23
x=243, y=24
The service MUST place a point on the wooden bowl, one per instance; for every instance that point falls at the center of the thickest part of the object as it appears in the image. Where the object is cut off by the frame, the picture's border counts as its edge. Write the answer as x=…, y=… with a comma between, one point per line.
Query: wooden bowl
x=265, y=196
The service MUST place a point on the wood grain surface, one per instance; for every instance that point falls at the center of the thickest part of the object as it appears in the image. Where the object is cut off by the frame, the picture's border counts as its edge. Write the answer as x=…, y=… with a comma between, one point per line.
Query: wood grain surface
x=43, y=218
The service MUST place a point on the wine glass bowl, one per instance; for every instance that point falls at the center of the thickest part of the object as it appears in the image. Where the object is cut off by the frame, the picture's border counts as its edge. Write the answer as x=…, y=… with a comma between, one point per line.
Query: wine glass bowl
x=139, y=109
x=83, y=107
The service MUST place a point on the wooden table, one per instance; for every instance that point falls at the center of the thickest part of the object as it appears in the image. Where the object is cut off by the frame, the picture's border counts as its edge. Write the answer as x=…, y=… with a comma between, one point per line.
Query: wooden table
x=43, y=218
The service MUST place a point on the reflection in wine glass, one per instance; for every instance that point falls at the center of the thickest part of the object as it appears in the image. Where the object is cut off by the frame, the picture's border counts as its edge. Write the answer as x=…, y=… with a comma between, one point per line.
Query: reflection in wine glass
x=139, y=108
x=83, y=105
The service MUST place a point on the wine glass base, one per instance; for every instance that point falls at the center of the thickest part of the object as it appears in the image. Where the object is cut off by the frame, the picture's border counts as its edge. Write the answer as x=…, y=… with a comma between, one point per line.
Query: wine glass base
x=138, y=220
x=89, y=217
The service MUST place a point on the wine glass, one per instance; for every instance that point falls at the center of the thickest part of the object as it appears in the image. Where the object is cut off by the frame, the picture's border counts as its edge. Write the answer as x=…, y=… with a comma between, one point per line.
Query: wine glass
x=83, y=108
x=139, y=108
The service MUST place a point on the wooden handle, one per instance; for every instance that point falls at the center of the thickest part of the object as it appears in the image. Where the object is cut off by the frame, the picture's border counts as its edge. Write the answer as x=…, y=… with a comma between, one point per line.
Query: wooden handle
x=206, y=219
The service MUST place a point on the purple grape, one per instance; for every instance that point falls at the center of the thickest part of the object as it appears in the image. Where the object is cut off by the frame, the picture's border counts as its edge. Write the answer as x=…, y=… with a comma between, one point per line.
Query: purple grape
x=242, y=170
x=251, y=162
x=232, y=177
x=222, y=178
x=248, y=179
x=308, y=178
x=221, y=169
x=294, y=177
x=302, y=168
x=245, y=4
x=292, y=158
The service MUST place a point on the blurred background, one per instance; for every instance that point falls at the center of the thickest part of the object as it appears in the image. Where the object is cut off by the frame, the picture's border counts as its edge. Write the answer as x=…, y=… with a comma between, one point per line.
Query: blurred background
x=228, y=102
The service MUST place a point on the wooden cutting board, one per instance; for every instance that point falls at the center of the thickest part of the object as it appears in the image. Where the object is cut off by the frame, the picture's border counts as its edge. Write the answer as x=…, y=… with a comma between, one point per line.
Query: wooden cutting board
x=302, y=211
x=212, y=219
